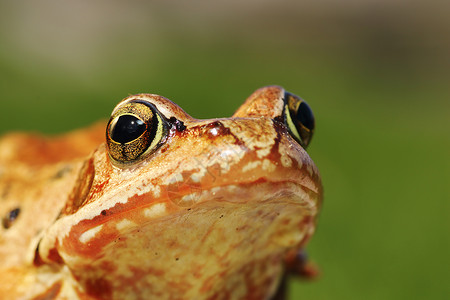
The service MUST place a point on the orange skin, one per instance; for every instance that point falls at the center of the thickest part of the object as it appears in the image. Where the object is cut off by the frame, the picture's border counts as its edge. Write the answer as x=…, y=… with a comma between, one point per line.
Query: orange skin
x=211, y=213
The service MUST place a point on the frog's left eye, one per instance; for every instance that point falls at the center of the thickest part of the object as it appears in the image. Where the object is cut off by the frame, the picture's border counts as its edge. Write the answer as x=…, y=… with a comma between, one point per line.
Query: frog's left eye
x=134, y=130
x=299, y=118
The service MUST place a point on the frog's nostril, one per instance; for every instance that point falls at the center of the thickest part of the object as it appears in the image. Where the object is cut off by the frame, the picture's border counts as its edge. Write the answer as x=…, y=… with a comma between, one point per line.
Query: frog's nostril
x=9, y=219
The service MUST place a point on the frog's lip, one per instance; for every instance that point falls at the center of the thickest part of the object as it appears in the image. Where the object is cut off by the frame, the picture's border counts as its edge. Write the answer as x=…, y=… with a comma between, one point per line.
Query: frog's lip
x=260, y=191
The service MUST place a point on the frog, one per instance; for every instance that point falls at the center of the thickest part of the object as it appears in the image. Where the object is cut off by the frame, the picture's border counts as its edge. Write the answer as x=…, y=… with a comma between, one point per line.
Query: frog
x=156, y=204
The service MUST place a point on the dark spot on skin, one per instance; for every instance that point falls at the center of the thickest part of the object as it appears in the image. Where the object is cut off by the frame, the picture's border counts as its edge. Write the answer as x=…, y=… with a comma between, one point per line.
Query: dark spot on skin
x=279, y=119
x=279, y=126
x=221, y=216
x=189, y=209
x=62, y=172
x=156, y=253
x=179, y=125
x=8, y=220
x=103, y=212
x=177, y=258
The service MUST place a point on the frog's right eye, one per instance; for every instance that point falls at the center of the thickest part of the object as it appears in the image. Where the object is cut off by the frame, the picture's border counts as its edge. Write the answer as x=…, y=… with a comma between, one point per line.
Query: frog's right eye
x=299, y=119
x=135, y=130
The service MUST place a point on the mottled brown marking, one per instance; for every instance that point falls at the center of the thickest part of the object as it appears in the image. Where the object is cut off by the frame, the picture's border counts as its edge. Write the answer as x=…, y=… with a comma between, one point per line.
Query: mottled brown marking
x=54, y=256
x=98, y=288
x=37, y=261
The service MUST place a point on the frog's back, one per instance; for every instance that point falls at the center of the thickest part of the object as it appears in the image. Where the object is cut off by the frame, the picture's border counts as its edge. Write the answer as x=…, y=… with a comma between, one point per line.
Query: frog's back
x=36, y=175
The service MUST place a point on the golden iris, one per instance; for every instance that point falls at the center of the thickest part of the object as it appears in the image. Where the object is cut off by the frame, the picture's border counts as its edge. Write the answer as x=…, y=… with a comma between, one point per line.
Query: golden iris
x=134, y=130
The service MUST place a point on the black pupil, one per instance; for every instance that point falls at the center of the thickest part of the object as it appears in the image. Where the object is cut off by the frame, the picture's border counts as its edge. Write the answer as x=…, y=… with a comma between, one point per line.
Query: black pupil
x=305, y=115
x=127, y=129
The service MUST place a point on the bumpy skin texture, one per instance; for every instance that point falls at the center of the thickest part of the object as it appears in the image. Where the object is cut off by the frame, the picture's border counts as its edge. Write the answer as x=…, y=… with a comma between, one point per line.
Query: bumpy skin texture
x=211, y=214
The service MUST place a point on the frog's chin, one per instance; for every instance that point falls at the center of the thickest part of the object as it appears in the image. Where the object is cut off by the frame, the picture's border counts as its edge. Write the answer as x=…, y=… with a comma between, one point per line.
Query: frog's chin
x=217, y=236
x=284, y=211
x=232, y=228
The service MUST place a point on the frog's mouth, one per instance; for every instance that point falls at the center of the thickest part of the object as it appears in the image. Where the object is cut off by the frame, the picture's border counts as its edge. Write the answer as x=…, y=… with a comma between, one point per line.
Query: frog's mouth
x=260, y=191
x=286, y=210
x=263, y=214
x=173, y=203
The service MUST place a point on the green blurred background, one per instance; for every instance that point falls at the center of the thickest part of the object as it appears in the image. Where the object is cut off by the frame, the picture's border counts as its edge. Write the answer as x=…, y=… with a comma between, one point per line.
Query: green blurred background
x=376, y=74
